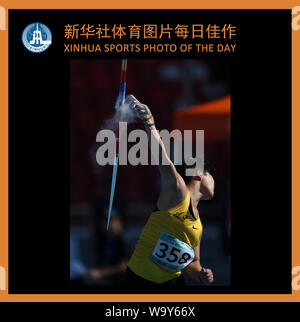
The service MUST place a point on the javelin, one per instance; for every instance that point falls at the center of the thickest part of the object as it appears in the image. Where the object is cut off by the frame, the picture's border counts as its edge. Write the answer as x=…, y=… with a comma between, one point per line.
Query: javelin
x=120, y=101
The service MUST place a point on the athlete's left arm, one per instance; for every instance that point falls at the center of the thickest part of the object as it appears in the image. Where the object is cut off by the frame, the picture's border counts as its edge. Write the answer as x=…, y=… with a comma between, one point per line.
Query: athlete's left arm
x=196, y=271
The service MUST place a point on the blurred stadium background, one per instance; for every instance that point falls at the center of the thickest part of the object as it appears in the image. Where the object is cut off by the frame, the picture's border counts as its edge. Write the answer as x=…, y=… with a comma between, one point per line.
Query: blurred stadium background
x=182, y=94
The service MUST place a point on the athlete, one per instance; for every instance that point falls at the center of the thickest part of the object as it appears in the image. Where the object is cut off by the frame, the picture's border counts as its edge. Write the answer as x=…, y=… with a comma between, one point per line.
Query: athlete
x=170, y=240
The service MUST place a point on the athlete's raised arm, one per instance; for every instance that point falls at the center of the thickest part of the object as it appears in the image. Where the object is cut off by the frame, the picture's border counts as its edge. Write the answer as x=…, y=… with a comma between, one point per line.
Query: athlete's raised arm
x=174, y=189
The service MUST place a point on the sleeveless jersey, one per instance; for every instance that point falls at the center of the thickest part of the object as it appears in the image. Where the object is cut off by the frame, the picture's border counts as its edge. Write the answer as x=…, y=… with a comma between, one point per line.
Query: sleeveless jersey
x=165, y=244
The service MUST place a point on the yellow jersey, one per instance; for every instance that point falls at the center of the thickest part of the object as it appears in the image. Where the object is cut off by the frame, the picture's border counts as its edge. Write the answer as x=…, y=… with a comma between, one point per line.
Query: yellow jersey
x=179, y=224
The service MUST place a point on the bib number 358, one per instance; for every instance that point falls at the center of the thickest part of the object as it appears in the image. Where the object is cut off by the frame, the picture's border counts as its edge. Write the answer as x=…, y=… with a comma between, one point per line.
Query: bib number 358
x=172, y=253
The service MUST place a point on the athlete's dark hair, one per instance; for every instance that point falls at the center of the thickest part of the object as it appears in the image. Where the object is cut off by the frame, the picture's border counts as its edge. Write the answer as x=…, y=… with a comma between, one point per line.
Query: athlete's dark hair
x=208, y=167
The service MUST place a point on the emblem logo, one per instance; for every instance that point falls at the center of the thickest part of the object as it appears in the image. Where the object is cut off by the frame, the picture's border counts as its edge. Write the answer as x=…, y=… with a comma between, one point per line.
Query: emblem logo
x=37, y=37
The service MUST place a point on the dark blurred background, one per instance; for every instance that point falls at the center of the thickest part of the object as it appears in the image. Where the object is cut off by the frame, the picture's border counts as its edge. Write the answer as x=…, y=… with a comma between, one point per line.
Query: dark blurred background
x=182, y=94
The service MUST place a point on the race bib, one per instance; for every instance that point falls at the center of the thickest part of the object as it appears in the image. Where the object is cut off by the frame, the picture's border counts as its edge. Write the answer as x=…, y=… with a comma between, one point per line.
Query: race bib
x=172, y=253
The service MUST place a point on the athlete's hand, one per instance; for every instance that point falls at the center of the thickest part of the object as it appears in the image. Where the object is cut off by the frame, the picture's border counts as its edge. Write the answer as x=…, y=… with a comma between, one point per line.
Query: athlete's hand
x=206, y=276
x=142, y=111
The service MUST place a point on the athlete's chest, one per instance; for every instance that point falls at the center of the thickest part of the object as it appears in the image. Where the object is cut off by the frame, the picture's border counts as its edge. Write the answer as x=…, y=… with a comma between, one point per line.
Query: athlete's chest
x=188, y=225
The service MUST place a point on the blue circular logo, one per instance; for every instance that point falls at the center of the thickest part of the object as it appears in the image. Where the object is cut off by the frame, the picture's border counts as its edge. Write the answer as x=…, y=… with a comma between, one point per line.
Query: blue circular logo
x=37, y=37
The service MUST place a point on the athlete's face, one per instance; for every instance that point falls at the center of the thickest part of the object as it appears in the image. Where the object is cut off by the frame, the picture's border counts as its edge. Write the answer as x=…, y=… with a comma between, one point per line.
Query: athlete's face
x=207, y=186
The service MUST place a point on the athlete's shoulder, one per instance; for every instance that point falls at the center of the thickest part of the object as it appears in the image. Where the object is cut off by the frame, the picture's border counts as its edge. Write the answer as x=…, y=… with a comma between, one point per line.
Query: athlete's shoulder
x=175, y=205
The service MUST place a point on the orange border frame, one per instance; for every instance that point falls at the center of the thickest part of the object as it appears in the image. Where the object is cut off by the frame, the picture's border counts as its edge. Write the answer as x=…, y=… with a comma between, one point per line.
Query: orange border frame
x=154, y=4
